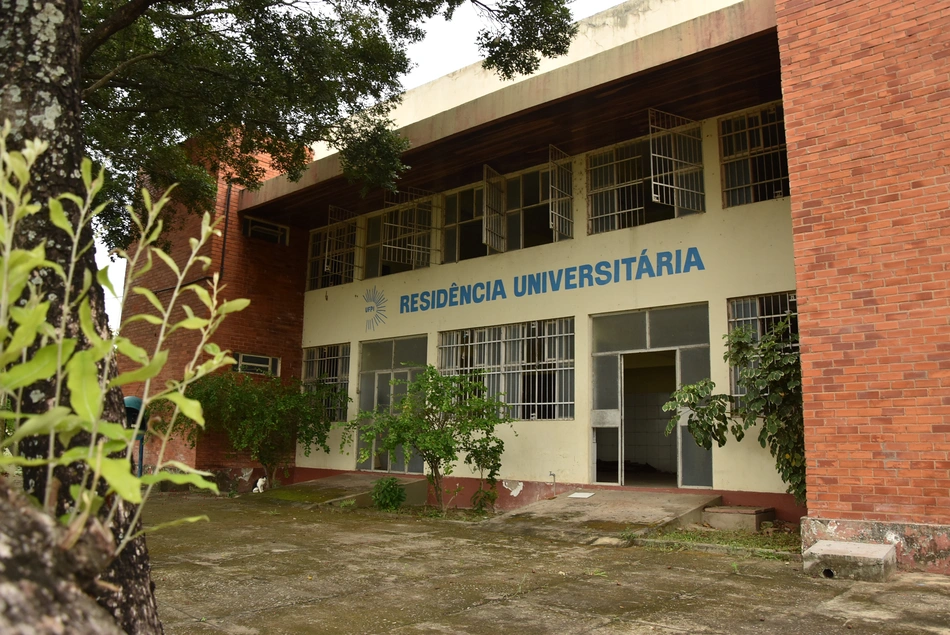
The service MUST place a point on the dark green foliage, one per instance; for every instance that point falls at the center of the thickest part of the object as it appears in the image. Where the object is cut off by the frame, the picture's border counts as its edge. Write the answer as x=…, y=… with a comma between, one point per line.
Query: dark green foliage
x=174, y=90
x=265, y=416
x=770, y=379
x=439, y=418
x=387, y=494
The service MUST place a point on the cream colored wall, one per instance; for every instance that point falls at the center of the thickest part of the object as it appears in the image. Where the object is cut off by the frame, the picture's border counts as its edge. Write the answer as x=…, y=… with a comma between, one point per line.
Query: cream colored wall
x=746, y=250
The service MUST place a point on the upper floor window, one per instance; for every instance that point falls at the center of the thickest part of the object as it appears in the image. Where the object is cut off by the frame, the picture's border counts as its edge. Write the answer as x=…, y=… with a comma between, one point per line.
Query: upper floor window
x=400, y=239
x=648, y=180
x=332, y=256
x=266, y=230
x=256, y=364
x=464, y=225
x=329, y=365
x=753, y=155
x=509, y=213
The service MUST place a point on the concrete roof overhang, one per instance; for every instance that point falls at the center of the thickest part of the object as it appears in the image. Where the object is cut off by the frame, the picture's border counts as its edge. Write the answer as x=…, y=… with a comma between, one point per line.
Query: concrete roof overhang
x=711, y=65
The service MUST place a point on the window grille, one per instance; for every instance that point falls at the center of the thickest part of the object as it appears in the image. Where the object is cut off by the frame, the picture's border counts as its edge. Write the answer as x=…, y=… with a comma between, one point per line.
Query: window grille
x=676, y=163
x=463, y=231
x=754, y=156
x=407, y=230
x=330, y=366
x=266, y=230
x=494, y=223
x=761, y=314
x=529, y=364
x=616, y=182
x=333, y=251
x=561, y=196
x=256, y=364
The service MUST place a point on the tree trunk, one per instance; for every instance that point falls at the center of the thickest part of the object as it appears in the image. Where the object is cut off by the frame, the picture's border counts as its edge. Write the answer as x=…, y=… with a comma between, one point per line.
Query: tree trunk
x=40, y=96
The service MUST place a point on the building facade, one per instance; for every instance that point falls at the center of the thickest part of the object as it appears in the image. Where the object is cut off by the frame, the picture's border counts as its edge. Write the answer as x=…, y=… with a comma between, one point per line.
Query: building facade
x=588, y=234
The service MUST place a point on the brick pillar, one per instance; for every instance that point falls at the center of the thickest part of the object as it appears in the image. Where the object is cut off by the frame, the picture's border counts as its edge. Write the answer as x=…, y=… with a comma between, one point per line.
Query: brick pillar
x=867, y=109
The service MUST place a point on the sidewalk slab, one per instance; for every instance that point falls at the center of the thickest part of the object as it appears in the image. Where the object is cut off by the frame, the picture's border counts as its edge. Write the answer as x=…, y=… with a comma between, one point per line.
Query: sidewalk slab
x=601, y=518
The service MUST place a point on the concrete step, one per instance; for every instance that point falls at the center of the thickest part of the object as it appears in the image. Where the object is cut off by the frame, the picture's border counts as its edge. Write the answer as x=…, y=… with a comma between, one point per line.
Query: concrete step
x=852, y=560
x=737, y=517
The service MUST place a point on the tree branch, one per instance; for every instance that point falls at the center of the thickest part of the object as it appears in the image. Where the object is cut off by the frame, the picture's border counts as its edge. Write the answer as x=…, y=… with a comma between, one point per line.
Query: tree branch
x=102, y=81
x=122, y=18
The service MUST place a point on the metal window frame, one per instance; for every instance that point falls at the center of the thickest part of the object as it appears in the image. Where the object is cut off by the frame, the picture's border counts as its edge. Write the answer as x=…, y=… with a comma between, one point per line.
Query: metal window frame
x=494, y=218
x=561, y=193
x=339, y=253
x=252, y=226
x=676, y=162
x=751, y=153
x=762, y=323
x=618, y=190
x=408, y=228
x=329, y=365
x=531, y=364
x=241, y=365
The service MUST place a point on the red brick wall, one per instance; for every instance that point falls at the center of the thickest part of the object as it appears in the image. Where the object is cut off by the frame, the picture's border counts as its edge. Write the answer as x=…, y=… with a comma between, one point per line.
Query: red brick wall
x=271, y=276
x=867, y=109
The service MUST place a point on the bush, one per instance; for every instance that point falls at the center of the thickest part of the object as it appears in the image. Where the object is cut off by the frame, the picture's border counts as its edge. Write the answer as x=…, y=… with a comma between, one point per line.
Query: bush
x=387, y=494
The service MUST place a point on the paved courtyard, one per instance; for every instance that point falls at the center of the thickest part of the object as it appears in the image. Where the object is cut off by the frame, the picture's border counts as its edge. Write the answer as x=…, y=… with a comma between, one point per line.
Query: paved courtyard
x=269, y=566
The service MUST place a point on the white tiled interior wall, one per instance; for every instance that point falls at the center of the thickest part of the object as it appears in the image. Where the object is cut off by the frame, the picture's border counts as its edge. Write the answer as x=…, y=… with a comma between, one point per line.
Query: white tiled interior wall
x=645, y=439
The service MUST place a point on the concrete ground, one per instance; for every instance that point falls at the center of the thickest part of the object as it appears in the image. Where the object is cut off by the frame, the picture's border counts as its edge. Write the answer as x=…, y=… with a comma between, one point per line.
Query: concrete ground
x=272, y=565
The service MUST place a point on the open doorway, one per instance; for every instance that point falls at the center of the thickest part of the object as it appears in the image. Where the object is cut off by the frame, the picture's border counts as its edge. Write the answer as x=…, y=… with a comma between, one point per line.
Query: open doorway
x=649, y=455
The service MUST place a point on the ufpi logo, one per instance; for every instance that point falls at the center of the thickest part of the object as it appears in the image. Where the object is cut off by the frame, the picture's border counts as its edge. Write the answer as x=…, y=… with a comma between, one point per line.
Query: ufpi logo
x=375, y=308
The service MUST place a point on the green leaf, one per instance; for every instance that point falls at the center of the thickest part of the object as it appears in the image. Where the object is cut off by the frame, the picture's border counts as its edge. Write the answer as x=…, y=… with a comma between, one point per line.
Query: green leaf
x=202, y=294
x=181, y=479
x=40, y=424
x=233, y=306
x=85, y=322
x=118, y=474
x=190, y=324
x=102, y=276
x=152, y=298
x=189, y=407
x=114, y=431
x=175, y=523
x=136, y=353
x=145, y=317
x=167, y=260
x=28, y=323
x=42, y=366
x=149, y=370
x=58, y=217
x=83, y=382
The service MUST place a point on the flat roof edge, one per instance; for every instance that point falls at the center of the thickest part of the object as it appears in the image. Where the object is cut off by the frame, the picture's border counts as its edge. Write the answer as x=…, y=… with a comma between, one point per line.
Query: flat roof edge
x=702, y=33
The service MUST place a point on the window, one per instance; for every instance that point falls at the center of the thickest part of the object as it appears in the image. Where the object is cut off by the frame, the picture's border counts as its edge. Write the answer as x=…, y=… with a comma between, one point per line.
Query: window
x=617, y=182
x=256, y=364
x=332, y=256
x=463, y=225
x=329, y=365
x=753, y=155
x=401, y=238
x=655, y=178
x=761, y=314
x=530, y=364
x=381, y=363
x=265, y=230
x=527, y=209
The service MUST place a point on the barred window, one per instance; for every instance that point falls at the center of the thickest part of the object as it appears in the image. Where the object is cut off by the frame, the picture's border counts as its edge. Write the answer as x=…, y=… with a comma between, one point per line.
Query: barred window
x=266, y=230
x=463, y=225
x=529, y=364
x=761, y=314
x=754, y=156
x=256, y=364
x=332, y=256
x=401, y=239
x=616, y=182
x=329, y=365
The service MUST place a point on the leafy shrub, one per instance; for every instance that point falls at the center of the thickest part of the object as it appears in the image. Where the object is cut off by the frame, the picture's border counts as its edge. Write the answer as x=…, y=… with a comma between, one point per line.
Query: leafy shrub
x=770, y=380
x=387, y=494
